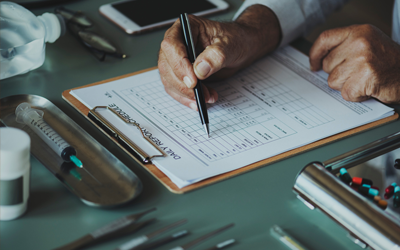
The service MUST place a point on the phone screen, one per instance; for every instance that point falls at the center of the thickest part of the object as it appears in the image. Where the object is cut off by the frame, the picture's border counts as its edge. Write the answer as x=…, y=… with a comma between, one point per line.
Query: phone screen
x=146, y=12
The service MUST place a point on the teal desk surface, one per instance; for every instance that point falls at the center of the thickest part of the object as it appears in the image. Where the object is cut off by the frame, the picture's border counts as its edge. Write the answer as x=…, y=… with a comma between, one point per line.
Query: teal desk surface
x=254, y=201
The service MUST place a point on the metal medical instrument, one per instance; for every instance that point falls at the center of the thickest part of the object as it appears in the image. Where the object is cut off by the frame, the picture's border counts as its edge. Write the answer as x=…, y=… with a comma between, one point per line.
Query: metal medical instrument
x=137, y=241
x=203, y=238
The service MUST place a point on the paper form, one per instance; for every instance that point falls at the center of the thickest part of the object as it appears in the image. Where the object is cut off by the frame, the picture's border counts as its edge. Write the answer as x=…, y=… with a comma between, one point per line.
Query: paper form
x=275, y=105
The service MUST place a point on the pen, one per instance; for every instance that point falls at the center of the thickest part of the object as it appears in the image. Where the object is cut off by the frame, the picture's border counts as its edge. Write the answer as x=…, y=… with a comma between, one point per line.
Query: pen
x=198, y=89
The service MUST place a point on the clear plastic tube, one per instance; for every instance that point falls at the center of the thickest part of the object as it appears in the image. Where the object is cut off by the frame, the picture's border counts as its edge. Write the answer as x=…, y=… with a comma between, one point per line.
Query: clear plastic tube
x=25, y=114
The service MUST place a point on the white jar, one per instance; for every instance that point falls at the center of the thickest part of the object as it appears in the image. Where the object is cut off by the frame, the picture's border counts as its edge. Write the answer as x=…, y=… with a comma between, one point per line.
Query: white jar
x=14, y=172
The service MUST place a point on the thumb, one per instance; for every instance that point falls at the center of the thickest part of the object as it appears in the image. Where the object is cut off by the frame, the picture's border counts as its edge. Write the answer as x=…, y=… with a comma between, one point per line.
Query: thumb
x=211, y=60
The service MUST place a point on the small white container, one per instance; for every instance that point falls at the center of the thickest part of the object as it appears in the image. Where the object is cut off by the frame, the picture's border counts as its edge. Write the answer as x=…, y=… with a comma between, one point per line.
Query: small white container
x=14, y=172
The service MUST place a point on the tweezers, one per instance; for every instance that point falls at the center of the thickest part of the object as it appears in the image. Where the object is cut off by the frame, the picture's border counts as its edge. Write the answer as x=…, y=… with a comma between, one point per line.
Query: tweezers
x=119, y=227
x=203, y=238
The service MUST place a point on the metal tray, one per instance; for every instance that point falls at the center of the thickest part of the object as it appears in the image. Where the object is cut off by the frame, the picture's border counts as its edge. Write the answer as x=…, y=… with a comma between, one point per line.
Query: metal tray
x=318, y=186
x=105, y=182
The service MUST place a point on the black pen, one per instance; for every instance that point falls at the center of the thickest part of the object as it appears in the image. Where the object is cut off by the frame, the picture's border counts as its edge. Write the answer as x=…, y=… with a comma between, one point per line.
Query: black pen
x=198, y=90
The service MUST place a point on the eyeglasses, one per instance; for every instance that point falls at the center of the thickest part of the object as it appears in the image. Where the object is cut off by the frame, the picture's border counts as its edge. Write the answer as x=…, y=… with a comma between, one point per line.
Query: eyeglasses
x=78, y=23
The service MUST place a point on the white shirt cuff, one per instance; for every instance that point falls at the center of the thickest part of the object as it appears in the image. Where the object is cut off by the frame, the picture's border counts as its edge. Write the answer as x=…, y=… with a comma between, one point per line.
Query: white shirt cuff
x=290, y=16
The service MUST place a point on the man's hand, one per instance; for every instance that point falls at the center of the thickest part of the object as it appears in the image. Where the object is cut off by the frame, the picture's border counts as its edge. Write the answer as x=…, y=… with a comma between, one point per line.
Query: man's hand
x=222, y=48
x=362, y=62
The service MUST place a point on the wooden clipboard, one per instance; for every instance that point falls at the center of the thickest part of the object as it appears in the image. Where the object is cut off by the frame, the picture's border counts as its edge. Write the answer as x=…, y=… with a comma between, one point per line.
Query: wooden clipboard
x=172, y=187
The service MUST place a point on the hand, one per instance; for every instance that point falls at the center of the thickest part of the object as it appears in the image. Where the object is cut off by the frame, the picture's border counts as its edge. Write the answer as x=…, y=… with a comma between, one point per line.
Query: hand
x=222, y=48
x=362, y=62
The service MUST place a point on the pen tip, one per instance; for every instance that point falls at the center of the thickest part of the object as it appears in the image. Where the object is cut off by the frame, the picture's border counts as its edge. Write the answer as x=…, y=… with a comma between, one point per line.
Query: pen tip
x=207, y=129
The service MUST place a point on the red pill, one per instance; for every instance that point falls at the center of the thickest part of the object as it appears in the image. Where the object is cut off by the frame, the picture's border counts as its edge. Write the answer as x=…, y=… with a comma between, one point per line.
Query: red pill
x=388, y=196
x=374, y=187
x=389, y=190
x=361, y=181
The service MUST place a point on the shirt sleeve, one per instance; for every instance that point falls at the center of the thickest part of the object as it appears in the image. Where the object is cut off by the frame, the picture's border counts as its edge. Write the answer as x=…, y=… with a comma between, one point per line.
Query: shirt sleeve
x=296, y=17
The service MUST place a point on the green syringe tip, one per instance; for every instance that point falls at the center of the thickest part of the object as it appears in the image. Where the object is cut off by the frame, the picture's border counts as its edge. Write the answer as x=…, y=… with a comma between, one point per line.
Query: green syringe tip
x=75, y=173
x=76, y=161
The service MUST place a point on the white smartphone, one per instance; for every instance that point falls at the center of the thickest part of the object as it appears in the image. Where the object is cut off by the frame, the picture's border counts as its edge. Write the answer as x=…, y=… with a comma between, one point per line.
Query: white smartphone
x=135, y=16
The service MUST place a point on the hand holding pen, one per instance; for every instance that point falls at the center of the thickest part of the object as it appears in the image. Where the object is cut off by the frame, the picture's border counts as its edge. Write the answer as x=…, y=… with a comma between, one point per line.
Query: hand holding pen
x=222, y=49
x=177, y=72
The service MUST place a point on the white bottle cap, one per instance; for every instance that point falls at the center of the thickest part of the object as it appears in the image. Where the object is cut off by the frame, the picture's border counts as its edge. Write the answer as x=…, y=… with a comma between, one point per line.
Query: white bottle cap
x=14, y=172
x=53, y=26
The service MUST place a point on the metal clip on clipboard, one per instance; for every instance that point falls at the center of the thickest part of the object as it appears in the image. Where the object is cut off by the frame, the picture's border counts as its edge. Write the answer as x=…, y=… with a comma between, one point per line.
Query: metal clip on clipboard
x=125, y=142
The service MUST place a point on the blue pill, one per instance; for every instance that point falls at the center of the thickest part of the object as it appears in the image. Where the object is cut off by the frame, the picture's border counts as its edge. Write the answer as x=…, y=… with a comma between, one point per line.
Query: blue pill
x=343, y=171
x=373, y=192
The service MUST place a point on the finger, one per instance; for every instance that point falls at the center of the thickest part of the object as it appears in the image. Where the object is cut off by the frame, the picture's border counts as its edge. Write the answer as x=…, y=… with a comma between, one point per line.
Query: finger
x=339, y=75
x=182, y=99
x=213, y=95
x=353, y=90
x=210, y=95
x=212, y=59
x=222, y=51
x=173, y=84
x=335, y=57
x=190, y=102
x=355, y=87
x=327, y=41
x=175, y=53
x=170, y=80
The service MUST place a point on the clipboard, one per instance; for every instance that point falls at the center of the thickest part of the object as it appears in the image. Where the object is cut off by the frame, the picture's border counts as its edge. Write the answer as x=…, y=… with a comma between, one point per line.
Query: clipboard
x=160, y=176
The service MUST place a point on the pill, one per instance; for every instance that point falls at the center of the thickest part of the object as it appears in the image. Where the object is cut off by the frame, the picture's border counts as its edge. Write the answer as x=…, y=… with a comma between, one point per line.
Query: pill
x=368, y=191
x=388, y=196
x=344, y=176
x=377, y=198
x=390, y=188
x=360, y=181
x=396, y=199
x=375, y=187
x=369, y=186
x=382, y=204
x=396, y=189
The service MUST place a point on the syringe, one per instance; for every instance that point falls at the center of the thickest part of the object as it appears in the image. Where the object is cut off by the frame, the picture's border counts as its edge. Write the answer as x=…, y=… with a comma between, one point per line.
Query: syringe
x=34, y=119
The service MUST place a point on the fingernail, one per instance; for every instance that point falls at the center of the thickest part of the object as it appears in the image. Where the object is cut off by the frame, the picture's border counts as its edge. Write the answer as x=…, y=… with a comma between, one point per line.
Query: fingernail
x=188, y=82
x=211, y=99
x=193, y=106
x=202, y=69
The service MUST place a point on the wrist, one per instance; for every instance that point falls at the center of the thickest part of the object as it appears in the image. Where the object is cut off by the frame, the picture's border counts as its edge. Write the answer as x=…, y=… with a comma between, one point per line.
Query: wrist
x=262, y=28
